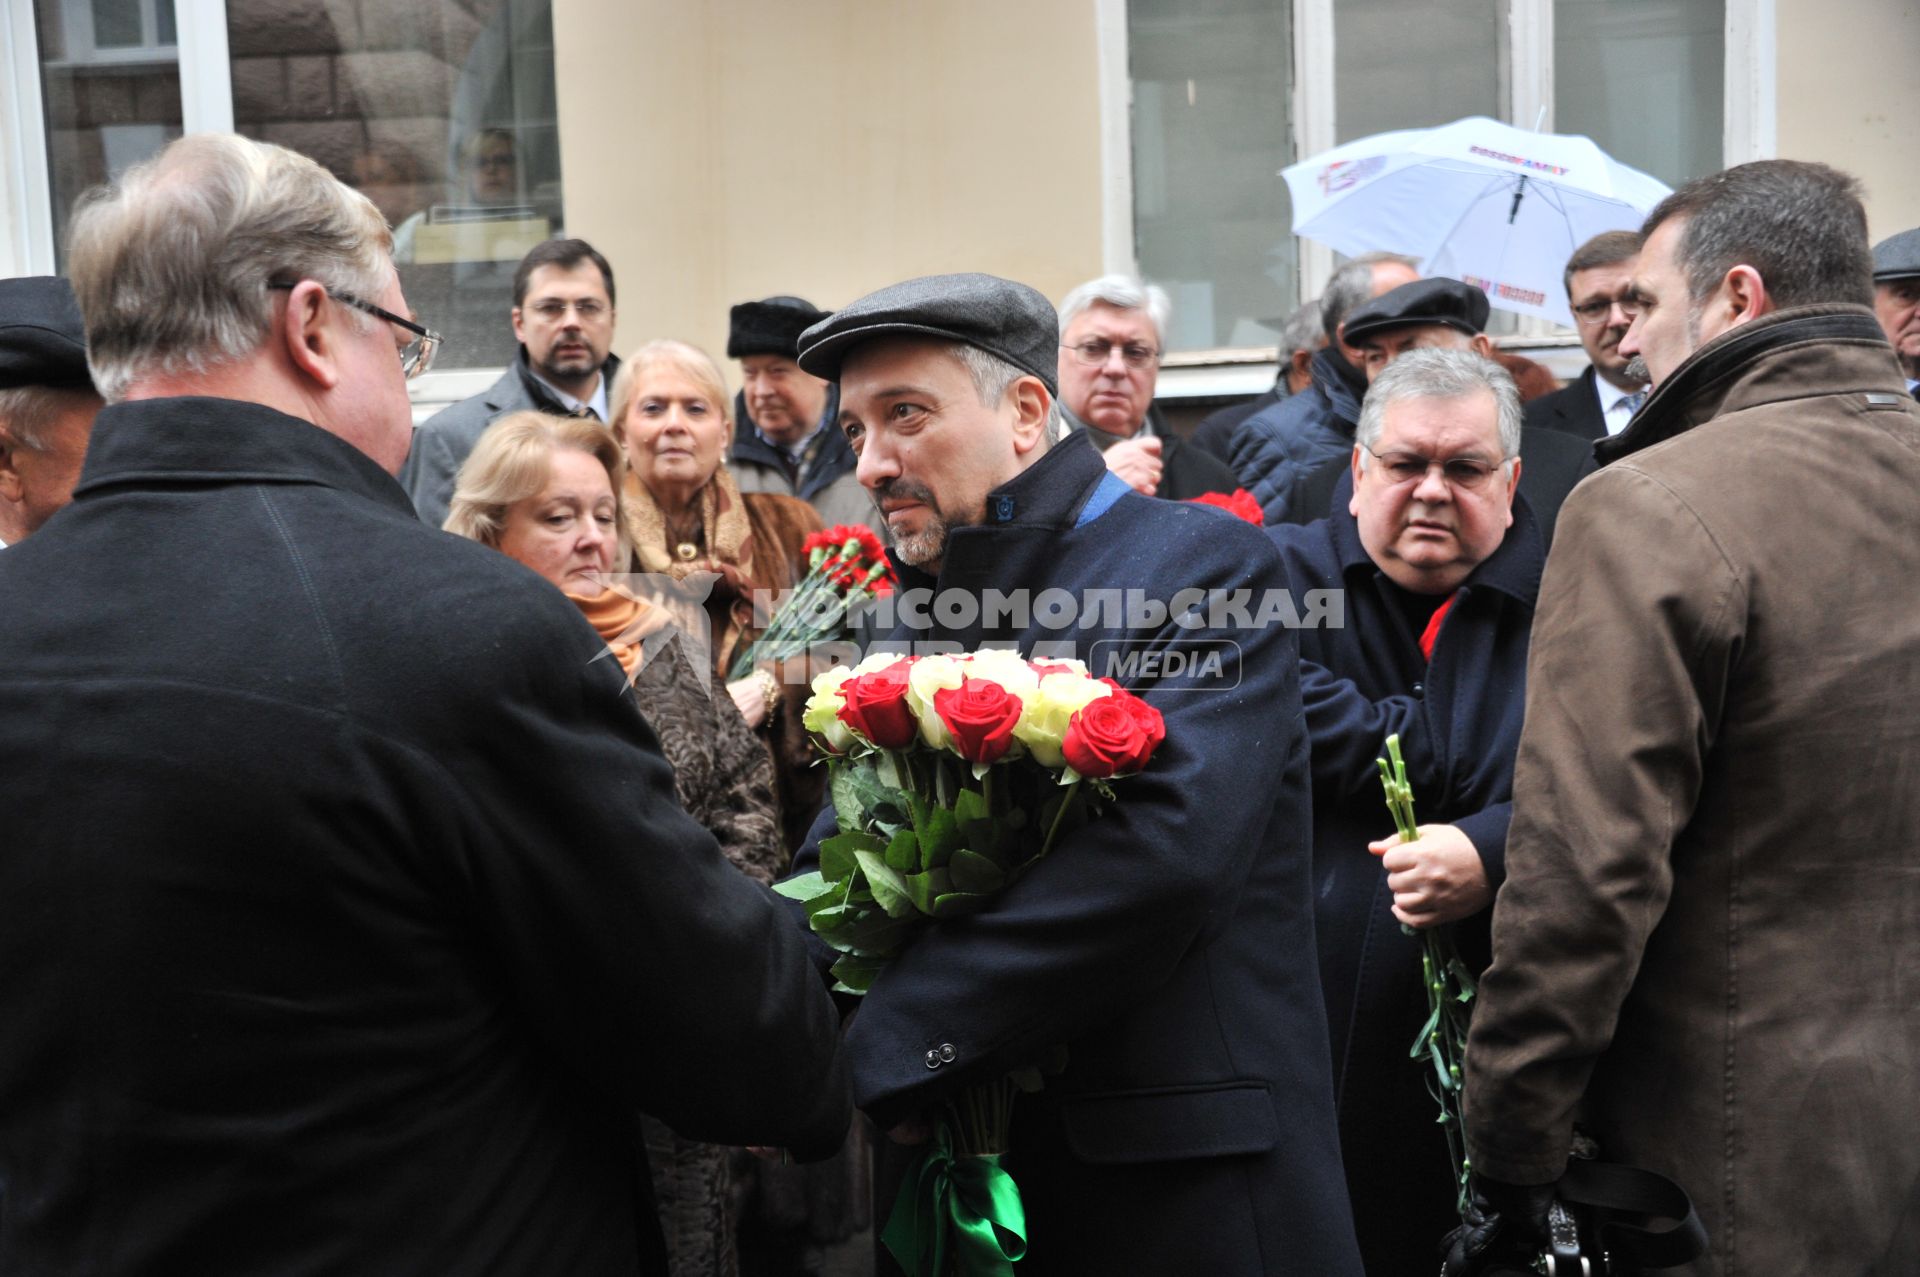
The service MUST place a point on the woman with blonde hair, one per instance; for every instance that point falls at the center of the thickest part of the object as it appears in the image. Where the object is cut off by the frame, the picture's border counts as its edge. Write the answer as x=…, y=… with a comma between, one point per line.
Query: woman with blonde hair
x=545, y=491
x=684, y=515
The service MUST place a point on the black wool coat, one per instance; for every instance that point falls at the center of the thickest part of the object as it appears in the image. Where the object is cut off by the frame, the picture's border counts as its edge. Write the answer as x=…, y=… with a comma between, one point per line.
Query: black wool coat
x=346, y=912
x=1458, y=718
x=1168, y=944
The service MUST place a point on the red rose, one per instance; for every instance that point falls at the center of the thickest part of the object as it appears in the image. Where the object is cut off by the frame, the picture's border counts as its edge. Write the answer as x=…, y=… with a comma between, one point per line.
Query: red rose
x=1241, y=504
x=876, y=706
x=1111, y=738
x=1148, y=717
x=979, y=715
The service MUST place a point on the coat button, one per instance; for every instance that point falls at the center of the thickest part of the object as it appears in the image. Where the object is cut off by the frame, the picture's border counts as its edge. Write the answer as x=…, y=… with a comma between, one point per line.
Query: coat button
x=933, y=1059
x=1420, y=689
x=947, y=1053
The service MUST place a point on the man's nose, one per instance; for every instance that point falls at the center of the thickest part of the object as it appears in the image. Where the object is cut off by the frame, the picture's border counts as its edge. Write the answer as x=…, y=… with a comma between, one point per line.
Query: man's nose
x=1433, y=487
x=1115, y=364
x=877, y=464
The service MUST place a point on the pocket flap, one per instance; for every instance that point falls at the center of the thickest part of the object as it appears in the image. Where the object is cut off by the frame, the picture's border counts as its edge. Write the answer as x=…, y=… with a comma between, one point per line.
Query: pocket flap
x=1170, y=1124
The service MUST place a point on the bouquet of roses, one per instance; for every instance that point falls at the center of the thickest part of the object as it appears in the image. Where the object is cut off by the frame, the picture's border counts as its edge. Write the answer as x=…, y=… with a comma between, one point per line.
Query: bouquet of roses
x=951, y=777
x=846, y=566
x=1242, y=504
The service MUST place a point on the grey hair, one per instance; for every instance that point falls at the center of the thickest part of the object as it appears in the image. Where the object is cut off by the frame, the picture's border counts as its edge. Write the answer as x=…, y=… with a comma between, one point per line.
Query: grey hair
x=28, y=413
x=1123, y=292
x=1440, y=374
x=1799, y=224
x=1302, y=331
x=171, y=263
x=993, y=376
x=1351, y=285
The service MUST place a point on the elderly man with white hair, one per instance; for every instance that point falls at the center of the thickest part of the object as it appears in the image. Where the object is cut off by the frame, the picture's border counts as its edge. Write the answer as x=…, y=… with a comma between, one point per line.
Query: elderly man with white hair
x=347, y=917
x=1111, y=340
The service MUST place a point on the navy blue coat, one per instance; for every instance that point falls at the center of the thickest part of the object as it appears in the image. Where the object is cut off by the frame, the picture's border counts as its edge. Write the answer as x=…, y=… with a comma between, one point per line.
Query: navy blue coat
x=1168, y=944
x=1458, y=717
x=1277, y=448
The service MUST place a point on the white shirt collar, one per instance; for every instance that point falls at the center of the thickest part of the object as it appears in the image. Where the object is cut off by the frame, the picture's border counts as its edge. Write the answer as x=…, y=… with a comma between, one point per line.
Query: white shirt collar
x=598, y=403
x=1616, y=405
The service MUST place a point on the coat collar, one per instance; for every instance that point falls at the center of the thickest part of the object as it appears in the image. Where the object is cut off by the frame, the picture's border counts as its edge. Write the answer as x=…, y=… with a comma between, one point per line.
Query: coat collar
x=203, y=440
x=1047, y=494
x=1513, y=569
x=1333, y=377
x=1797, y=353
x=520, y=373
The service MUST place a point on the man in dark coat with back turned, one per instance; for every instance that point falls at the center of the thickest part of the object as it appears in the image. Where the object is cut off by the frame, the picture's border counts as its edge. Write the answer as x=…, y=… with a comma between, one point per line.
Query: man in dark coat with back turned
x=346, y=913
x=1438, y=561
x=1167, y=945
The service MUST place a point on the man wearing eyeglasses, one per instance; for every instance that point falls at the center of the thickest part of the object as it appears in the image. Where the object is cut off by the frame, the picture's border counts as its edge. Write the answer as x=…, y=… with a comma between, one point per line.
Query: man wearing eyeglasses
x=347, y=915
x=563, y=319
x=1110, y=345
x=1603, y=398
x=1438, y=561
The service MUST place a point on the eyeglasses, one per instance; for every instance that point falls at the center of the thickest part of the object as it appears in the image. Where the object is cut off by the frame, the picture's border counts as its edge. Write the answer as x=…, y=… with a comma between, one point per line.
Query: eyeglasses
x=1594, y=313
x=553, y=310
x=415, y=357
x=1468, y=474
x=1094, y=353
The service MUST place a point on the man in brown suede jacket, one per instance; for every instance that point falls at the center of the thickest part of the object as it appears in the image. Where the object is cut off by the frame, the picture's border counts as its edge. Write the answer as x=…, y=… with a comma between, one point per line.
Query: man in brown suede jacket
x=1707, y=949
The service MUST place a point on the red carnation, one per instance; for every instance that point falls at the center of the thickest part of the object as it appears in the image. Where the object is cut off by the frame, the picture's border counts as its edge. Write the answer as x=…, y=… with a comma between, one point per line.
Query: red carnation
x=1241, y=504
x=979, y=715
x=875, y=705
x=1109, y=737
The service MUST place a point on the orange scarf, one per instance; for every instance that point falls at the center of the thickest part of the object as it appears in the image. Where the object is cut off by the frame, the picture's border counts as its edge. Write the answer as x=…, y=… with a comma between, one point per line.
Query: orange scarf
x=623, y=623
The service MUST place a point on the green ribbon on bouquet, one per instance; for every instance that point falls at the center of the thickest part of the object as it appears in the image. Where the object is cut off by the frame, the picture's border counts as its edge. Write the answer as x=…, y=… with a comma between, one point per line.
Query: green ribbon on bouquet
x=960, y=1210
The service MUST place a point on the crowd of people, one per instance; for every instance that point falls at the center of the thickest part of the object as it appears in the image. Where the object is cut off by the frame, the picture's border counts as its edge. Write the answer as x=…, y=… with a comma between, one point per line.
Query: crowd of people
x=376, y=900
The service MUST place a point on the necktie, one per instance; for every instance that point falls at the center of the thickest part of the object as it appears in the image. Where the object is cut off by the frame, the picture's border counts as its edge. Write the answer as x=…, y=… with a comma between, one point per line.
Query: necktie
x=584, y=413
x=1633, y=401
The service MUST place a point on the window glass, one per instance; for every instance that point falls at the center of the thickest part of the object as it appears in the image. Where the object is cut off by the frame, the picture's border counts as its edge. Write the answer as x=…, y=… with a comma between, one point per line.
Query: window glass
x=1643, y=78
x=111, y=92
x=1212, y=129
x=442, y=112
x=1412, y=64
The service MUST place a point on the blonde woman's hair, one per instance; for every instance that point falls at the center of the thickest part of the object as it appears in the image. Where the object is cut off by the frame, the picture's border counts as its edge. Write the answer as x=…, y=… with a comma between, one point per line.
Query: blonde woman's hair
x=513, y=461
x=694, y=362
x=171, y=263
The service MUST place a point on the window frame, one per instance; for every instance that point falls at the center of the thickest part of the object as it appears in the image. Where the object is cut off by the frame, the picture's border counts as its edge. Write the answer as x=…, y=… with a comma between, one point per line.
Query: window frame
x=1527, y=89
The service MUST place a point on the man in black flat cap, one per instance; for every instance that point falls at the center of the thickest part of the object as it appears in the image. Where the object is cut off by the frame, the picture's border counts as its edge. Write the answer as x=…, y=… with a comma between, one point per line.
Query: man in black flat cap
x=784, y=436
x=1896, y=299
x=1167, y=945
x=1443, y=314
x=47, y=401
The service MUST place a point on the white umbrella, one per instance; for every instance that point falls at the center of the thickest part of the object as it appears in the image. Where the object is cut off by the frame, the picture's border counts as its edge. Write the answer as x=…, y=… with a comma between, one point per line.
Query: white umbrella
x=1475, y=200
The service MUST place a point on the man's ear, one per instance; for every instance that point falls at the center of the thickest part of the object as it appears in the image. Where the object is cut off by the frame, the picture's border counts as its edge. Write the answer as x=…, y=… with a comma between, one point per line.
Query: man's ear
x=1744, y=294
x=1482, y=345
x=311, y=329
x=1356, y=464
x=12, y=487
x=1030, y=404
x=520, y=333
x=1299, y=370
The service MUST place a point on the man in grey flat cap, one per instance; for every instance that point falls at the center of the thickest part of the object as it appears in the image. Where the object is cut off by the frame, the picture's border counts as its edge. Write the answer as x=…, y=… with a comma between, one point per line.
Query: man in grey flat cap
x=1896, y=299
x=47, y=401
x=1167, y=945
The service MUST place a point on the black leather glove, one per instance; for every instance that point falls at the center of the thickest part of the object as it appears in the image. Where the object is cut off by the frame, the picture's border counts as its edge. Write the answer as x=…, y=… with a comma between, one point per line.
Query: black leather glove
x=1505, y=1225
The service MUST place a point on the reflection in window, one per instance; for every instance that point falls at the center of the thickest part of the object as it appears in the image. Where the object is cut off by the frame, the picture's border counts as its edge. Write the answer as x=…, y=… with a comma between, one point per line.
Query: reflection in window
x=1644, y=80
x=442, y=112
x=1211, y=130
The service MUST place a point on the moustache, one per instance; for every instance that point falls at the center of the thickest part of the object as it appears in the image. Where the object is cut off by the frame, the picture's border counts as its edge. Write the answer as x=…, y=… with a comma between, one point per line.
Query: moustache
x=1636, y=370
x=905, y=489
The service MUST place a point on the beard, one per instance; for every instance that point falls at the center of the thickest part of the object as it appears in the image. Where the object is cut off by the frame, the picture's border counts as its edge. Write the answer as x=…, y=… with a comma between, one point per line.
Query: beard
x=930, y=542
x=1636, y=370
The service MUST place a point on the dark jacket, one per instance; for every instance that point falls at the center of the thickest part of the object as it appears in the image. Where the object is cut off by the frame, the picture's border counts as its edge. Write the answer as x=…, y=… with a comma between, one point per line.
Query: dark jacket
x=1551, y=464
x=346, y=912
x=1458, y=717
x=1574, y=409
x=442, y=443
x=824, y=479
x=1215, y=432
x=1185, y=471
x=1276, y=449
x=1706, y=945
x=1168, y=945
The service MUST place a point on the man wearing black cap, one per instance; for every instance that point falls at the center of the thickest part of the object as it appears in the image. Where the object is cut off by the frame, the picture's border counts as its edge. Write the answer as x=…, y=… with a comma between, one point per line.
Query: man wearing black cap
x=1896, y=299
x=1168, y=944
x=47, y=401
x=1443, y=314
x=784, y=437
